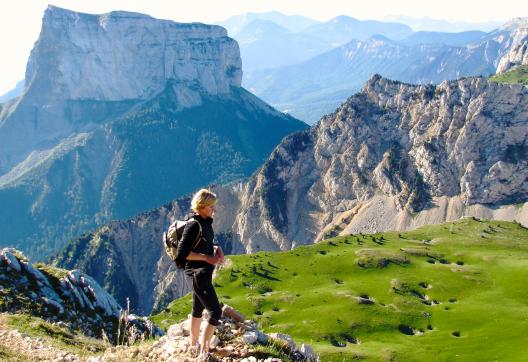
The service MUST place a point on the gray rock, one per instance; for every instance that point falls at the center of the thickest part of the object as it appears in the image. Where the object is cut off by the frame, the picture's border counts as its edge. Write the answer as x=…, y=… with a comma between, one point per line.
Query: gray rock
x=262, y=338
x=284, y=337
x=250, y=337
x=307, y=352
x=113, y=57
x=391, y=150
x=518, y=52
x=12, y=260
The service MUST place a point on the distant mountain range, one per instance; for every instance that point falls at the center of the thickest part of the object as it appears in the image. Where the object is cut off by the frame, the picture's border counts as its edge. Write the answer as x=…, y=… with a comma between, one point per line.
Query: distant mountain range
x=237, y=23
x=265, y=44
x=315, y=87
x=342, y=29
x=438, y=25
x=270, y=40
x=15, y=92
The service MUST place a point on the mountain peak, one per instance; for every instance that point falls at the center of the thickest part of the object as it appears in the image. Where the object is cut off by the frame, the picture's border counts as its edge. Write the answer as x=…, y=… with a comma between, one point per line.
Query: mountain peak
x=515, y=23
x=343, y=19
x=261, y=26
x=54, y=12
x=378, y=84
x=123, y=55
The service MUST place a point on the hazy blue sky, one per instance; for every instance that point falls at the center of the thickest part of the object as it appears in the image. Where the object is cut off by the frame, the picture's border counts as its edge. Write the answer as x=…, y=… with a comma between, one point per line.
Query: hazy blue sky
x=20, y=20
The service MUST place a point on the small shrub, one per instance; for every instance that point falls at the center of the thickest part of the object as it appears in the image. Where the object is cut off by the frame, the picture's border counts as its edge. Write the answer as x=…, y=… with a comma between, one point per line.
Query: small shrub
x=406, y=330
x=263, y=289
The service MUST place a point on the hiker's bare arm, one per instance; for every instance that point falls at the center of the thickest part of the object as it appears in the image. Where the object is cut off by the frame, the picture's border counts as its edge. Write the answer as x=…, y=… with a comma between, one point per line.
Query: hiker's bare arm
x=202, y=257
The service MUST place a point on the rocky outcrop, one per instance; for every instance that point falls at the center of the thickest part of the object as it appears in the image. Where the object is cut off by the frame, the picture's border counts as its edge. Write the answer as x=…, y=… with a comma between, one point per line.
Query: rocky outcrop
x=464, y=139
x=236, y=340
x=516, y=57
x=82, y=56
x=57, y=295
x=115, y=57
x=518, y=53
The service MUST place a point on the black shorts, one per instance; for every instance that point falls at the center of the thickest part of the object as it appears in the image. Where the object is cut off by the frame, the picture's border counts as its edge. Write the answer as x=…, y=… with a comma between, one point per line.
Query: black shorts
x=203, y=294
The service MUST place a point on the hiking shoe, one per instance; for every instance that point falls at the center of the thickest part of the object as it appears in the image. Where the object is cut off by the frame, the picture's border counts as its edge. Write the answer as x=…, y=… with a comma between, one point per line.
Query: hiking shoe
x=194, y=350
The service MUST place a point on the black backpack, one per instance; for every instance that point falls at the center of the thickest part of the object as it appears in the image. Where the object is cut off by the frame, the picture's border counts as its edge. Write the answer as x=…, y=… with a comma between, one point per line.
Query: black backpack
x=172, y=238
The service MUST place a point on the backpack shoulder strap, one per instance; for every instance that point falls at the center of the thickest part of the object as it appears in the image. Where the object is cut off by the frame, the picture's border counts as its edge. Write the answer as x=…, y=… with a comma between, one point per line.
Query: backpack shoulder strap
x=199, y=234
x=199, y=237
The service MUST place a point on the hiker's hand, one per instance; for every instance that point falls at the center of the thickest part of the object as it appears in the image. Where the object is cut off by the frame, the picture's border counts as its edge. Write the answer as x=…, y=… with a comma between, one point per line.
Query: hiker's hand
x=219, y=253
x=214, y=260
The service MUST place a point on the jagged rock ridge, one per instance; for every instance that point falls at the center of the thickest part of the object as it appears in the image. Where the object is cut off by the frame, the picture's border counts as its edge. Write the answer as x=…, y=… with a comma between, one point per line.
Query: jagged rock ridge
x=463, y=139
x=518, y=52
x=393, y=157
x=70, y=297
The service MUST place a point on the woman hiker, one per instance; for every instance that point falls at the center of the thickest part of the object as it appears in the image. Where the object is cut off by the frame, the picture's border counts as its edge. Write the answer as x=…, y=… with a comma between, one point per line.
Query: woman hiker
x=202, y=254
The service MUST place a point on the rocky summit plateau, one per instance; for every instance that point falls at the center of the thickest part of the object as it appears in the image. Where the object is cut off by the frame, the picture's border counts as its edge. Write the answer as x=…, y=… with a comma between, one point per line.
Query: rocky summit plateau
x=121, y=113
x=394, y=156
x=115, y=57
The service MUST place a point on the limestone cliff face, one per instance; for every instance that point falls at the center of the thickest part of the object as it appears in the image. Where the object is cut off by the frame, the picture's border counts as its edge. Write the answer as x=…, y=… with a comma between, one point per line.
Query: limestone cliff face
x=518, y=51
x=111, y=58
x=517, y=56
x=82, y=56
x=413, y=144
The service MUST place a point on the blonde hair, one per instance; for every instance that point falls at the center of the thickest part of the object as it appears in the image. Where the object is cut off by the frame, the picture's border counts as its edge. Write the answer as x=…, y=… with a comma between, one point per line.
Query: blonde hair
x=203, y=198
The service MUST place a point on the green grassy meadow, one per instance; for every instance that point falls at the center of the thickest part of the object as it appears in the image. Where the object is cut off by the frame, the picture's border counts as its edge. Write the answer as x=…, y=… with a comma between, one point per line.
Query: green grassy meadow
x=455, y=291
x=517, y=75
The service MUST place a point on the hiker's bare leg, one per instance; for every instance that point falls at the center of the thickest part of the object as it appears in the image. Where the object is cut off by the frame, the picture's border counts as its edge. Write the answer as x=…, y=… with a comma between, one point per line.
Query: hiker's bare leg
x=207, y=334
x=195, y=330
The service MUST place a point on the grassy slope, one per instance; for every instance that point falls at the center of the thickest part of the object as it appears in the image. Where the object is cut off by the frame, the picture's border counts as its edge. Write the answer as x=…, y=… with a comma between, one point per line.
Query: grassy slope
x=518, y=75
x=476, y=272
